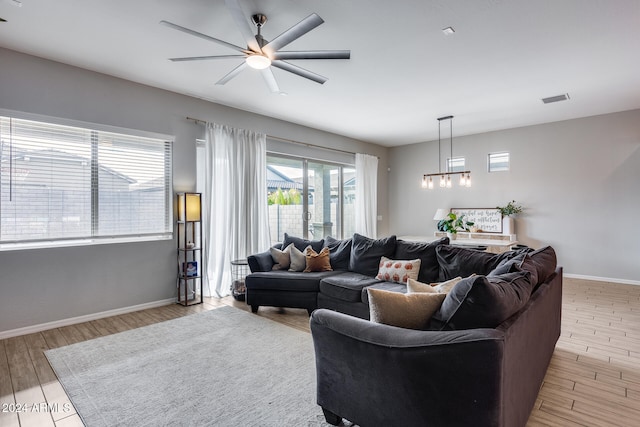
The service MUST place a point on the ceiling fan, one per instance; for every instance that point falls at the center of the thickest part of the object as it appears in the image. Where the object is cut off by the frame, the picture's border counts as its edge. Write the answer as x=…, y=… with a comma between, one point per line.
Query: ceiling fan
x=262, y=54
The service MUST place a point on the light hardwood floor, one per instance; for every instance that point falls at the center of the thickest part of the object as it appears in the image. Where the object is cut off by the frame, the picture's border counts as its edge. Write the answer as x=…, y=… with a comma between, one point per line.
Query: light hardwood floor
x=593, y=379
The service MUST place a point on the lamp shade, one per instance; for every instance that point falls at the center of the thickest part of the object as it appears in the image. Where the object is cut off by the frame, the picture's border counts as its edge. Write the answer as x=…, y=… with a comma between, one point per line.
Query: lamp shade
x=441, y=214
x=189, y=207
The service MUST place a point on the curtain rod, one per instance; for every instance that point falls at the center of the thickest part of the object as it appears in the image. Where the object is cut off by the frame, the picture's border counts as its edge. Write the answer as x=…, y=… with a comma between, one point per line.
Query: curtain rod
x=277, y=138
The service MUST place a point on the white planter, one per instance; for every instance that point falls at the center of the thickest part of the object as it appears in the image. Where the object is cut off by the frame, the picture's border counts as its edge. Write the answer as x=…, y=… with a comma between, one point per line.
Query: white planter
x=508, y=225
x=452, y=236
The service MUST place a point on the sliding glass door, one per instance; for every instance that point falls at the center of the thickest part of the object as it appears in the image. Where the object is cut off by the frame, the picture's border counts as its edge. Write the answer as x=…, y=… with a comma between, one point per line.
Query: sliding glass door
x=309, y=198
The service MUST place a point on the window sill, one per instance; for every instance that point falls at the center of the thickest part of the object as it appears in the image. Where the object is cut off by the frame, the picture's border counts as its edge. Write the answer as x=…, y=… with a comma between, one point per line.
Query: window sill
x=80, y=242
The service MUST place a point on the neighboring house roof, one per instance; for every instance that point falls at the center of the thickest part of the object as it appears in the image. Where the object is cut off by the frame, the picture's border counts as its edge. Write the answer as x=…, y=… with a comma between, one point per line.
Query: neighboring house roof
x=276, y=179
x=62, y=156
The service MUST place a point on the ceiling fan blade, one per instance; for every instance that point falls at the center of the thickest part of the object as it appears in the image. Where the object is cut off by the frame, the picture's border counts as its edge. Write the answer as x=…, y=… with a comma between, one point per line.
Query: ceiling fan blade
x=299, y=71
x=270, y=80
x=204, y=58
x=242, y=24
x=314, y=54
x=231, y=74
x=298, y=30
x=204, y=36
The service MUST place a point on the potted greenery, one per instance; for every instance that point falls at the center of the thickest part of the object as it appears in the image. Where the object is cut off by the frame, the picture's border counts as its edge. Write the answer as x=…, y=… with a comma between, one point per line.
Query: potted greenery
x=507, y=211
x=452, y=224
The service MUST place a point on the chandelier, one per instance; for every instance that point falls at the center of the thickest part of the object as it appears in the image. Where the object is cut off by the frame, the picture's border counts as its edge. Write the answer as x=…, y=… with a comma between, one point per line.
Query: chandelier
x=445, y=177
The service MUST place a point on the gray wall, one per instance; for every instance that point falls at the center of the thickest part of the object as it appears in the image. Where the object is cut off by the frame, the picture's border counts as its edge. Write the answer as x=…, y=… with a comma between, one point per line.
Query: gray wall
x=578, y=181
x=45, y=285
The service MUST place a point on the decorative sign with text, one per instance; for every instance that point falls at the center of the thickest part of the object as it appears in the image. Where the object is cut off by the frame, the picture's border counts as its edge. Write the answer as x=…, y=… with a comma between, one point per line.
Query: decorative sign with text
x=487, y=220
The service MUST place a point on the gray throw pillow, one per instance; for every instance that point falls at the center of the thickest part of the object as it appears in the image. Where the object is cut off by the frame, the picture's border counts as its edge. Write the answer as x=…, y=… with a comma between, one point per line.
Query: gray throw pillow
x=281, y=258
x=298, y=259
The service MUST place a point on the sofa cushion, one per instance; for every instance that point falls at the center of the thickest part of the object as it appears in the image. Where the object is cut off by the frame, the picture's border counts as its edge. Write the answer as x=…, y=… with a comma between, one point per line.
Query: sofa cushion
x=366, y=253
x=508, y=266
x=286, y=280
x=544, y=261
x=385, y=286
x=261, y=261
x=398, y=270
x=317, y=261
x=339, y=252
x=301, y=244
x=457, y=261
x=426, y=252
x=484, y=302
x=346, y=286
x=411, y=311
x=540, y=263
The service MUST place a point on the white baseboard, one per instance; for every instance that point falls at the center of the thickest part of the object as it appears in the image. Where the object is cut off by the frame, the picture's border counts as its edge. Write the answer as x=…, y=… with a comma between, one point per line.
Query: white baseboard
x=80, y=319
x=602, y=279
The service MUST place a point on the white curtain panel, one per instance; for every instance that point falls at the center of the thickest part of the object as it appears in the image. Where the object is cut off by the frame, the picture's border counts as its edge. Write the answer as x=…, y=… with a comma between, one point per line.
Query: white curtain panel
x=236, y=213
x=366, y=195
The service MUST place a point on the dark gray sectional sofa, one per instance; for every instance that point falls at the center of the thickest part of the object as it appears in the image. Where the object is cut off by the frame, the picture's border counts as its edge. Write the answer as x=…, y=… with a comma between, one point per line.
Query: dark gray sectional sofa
x=355, y=264
x=480, y=361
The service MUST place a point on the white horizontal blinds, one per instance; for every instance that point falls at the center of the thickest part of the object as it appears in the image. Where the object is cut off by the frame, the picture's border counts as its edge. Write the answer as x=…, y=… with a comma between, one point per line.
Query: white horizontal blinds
x=63, y=182
x=131, y=185
x=46, y=187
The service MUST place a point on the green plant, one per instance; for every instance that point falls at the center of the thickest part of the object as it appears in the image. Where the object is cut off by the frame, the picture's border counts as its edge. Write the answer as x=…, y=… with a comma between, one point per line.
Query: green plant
x=510, y=209
x=288, y=197
x=452, y=223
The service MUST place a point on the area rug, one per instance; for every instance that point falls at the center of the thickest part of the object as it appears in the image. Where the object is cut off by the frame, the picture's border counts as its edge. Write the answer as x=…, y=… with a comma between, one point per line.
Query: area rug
x=223, y=367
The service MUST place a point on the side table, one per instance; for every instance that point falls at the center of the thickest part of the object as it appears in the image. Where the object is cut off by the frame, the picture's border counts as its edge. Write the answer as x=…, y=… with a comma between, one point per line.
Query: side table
x=239, y=270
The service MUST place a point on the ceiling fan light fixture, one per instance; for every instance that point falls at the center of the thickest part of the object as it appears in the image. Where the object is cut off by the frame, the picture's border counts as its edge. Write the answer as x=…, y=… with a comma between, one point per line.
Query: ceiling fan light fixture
x=258, y=62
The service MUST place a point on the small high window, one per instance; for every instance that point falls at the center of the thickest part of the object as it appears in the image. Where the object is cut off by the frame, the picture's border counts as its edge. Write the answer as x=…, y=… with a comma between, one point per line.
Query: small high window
x=498, y=162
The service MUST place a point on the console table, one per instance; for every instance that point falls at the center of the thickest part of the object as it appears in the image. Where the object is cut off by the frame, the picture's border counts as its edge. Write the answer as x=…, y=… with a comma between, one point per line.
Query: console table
x=495, y=242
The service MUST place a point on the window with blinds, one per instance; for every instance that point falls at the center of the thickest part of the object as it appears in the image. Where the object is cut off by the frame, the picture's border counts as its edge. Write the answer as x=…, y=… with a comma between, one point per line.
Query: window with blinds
x=61, y=183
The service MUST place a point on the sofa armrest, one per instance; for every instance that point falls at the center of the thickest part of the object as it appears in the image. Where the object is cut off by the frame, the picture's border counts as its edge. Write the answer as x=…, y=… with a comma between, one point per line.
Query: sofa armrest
x=411, y=377
x=260, y=262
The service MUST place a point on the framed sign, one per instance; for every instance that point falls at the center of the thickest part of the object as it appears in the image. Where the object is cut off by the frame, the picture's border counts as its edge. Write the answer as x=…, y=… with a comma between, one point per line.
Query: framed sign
x=486, y=219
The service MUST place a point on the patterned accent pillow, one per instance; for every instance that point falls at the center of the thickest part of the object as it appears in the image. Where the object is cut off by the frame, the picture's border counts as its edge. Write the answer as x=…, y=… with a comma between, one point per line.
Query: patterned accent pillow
x=398, y=270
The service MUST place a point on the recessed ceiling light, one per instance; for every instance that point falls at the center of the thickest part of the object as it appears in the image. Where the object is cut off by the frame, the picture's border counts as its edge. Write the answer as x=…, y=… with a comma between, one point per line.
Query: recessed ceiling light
x=448, y=31
x=557, y=98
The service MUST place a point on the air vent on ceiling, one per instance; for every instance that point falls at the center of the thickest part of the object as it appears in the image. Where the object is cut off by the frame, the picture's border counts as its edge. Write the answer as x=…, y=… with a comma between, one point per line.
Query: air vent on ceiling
x=556, y=98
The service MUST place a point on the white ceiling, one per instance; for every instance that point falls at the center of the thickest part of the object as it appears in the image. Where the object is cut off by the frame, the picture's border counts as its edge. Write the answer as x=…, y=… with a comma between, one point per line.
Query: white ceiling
x=403, y=74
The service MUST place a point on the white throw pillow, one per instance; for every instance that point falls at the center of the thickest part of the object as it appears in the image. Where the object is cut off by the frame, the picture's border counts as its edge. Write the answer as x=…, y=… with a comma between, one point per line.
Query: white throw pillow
x=398, y=271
